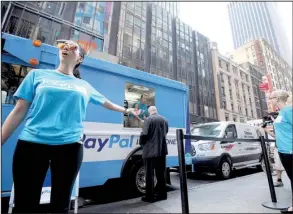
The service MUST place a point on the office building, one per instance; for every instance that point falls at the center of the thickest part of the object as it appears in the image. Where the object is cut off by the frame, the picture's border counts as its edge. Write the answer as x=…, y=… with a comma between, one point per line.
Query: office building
x=84, y=22
x=256, y=75
x=255, y=20
x=234, y=89
x=262, y=54
x=153, y=40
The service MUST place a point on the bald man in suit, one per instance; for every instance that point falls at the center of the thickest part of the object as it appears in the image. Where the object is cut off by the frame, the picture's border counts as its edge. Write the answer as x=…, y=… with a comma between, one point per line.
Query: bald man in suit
x=153, y=141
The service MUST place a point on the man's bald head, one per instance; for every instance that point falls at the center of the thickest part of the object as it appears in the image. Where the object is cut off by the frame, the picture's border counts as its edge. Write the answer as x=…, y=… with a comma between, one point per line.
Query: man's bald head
x=153, y=110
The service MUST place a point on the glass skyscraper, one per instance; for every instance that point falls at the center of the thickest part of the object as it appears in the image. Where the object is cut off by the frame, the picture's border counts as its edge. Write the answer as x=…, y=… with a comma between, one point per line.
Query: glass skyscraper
x=255, y=20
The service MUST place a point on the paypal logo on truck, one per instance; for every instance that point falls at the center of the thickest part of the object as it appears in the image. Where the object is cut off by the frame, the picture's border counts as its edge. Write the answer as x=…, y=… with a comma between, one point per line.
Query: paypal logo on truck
x=99, y=143
x=114, y=140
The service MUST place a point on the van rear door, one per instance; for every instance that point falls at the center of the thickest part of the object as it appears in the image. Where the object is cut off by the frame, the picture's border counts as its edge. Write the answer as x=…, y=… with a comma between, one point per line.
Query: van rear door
x=232, y=148
x=251, y=150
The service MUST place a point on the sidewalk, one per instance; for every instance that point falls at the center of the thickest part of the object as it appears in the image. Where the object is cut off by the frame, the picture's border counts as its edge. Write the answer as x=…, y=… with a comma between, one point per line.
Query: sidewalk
x=240, y=195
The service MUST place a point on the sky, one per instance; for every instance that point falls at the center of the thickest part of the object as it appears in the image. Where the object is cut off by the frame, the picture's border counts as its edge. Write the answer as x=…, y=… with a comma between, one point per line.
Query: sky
x=212, y=20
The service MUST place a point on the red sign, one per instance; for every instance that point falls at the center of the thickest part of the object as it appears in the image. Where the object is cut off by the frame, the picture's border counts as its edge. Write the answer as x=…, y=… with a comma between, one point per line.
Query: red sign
x=259, y=55
x=263, y=86
x=270, y=84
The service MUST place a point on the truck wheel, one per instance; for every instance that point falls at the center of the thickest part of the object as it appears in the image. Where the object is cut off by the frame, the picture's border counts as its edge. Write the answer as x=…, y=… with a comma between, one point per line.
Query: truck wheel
x=137, y=174
x=225, y=169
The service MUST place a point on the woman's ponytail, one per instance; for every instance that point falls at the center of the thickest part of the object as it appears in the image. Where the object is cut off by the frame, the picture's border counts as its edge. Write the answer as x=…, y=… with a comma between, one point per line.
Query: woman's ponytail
x=76, y=73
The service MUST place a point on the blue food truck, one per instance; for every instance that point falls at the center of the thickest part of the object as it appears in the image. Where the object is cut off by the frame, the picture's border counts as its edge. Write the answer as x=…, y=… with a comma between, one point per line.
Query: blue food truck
x=111, y=148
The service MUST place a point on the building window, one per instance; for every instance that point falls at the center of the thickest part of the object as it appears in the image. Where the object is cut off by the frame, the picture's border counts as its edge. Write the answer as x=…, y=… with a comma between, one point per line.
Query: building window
x=220, y=63
x=223, y=91
x=135, y=95
x=236, y=84
x=81, y=5
x=227, y=117
x=86, y=20
x=206, y=111
x=234, y=70
x=222, y=77
x=224, y=104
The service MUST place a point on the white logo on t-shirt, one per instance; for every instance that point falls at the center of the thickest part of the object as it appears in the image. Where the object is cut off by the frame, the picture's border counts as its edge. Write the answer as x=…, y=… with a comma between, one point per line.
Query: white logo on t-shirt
x=62, y=85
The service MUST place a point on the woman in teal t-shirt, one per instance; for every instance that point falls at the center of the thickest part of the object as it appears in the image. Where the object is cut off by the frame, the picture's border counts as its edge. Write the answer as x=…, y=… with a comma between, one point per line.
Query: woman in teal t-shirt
x=52, y=131
x=283, y=132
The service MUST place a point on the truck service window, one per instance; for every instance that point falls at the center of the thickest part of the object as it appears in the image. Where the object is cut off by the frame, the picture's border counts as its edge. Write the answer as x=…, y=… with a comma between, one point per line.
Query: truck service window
x=138, y=98
x=11, y=77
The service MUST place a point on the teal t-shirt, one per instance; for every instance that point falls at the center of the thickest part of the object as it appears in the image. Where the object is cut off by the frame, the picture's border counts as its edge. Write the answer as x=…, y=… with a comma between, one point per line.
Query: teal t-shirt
x=283, y=130
x=58, y=106
x=144, y=110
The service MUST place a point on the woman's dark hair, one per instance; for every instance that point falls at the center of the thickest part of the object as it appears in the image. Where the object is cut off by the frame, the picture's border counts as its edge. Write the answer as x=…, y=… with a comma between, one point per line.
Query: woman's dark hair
x=76, y=72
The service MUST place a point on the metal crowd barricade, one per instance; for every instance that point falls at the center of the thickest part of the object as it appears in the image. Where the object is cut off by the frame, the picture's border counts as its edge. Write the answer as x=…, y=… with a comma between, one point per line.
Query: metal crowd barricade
x=273, y=204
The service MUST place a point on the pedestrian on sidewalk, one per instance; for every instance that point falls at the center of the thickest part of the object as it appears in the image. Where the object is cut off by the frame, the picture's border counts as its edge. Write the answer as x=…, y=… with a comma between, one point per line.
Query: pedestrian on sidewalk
x=52, y=132
x=154, y=145
x=283, y=132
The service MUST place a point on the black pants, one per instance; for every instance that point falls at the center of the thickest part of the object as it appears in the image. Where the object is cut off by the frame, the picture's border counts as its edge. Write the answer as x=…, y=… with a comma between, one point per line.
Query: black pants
x=287, y=161
x=30, y=165
x=159, y=165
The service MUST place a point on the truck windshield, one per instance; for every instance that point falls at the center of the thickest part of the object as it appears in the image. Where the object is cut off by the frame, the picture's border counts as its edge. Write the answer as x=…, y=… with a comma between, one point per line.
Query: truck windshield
x=207, y=130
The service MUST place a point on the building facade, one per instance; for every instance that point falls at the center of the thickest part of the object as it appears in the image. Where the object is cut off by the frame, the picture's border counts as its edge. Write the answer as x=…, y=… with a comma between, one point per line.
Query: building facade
x=262, y=54
x=234, y=89
x=84, y=22
x=256, y=74
x=171, y=7
x=255, y=20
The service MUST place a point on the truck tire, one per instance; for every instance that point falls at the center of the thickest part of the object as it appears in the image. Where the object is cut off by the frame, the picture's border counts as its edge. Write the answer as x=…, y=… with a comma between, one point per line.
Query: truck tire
x=137, y=178
x=225, y=168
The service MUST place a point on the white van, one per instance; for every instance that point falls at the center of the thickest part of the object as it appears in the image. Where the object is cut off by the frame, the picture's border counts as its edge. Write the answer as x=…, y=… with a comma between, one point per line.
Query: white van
x=222, y=157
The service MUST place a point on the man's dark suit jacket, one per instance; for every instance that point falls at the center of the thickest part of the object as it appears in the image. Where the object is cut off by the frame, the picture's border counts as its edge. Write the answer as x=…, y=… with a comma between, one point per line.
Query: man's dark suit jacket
x=153, y=137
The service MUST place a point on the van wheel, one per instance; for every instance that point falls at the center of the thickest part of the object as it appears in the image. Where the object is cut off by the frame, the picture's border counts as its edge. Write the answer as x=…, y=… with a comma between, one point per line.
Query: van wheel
x=224, y=171
x=262, y=166
x=137, y=179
